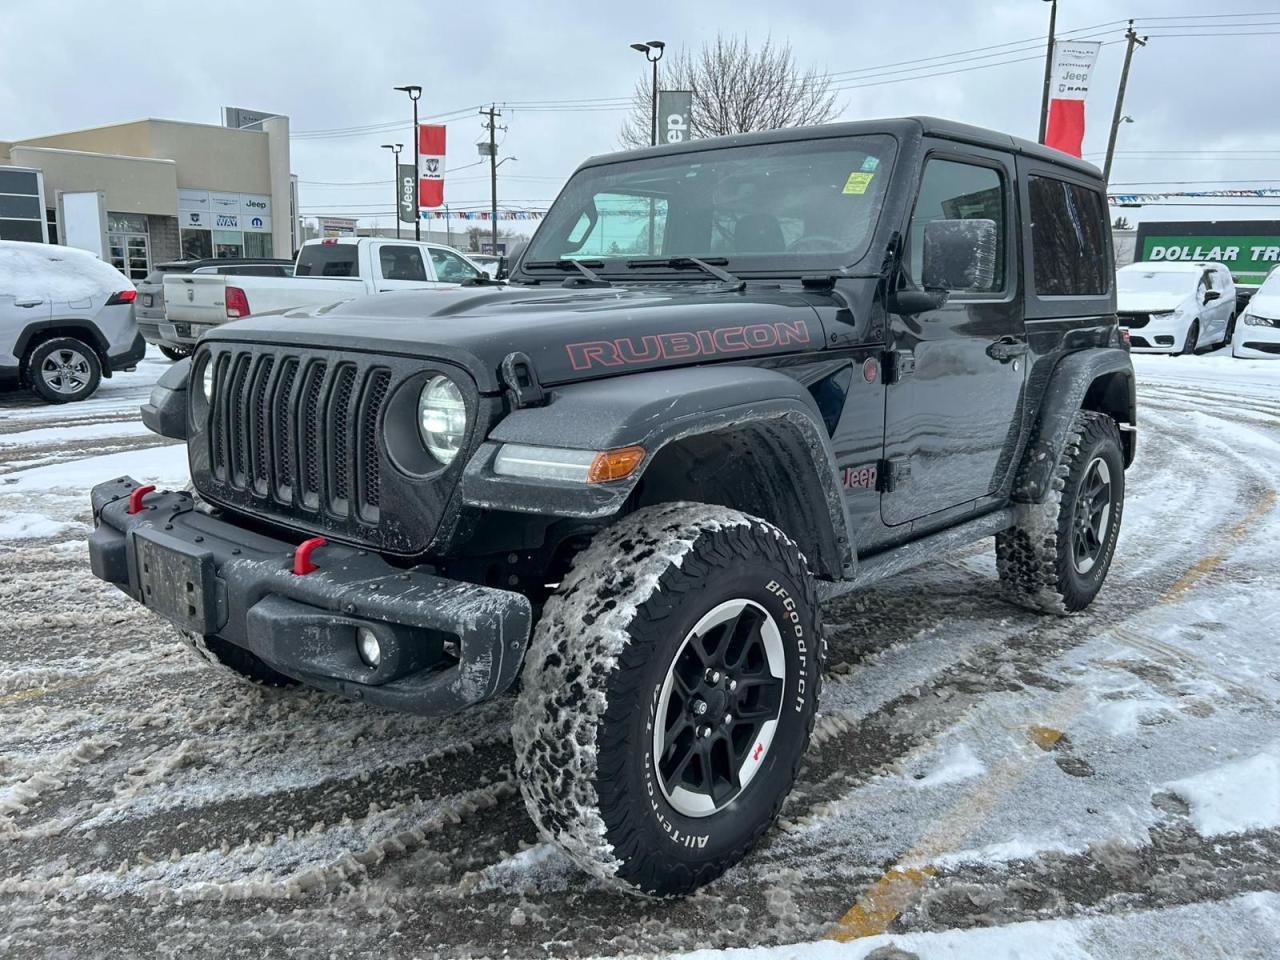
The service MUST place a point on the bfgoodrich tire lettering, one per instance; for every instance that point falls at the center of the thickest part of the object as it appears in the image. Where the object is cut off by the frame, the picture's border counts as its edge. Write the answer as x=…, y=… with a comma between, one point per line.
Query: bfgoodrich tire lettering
x=584, y=720
x=1037, y=558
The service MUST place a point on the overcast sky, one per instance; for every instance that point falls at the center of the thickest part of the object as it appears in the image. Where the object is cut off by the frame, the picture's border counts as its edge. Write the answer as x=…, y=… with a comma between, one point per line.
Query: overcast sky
x=68, y=65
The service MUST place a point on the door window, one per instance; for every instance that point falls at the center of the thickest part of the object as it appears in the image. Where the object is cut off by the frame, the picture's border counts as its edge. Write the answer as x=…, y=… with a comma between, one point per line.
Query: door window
x=451, y=268
x=951, y=190
x=401, y=263
x=1068, y=239
x=128, y=245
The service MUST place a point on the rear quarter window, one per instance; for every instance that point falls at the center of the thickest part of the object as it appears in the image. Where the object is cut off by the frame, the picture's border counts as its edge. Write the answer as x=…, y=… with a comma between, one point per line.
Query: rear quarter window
x=1068, y=239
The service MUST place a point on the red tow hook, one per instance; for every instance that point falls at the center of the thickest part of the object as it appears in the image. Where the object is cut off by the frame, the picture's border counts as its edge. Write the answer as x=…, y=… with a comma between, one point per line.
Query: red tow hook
x=135, y=498
x=302, y=564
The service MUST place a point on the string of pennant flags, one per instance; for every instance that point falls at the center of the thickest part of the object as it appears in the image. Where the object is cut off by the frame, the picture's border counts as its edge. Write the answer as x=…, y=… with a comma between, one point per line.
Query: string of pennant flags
x=1121, y=198
x=485, y=215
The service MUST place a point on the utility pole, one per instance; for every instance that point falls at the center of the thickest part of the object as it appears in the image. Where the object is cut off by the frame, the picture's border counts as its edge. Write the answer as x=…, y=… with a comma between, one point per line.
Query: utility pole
x=1048, y=70
x=492, y=126
x=1134, y=41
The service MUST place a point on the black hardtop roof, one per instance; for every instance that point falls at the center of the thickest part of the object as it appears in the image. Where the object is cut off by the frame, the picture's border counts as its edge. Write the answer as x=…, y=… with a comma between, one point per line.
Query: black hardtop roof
x=931, y=126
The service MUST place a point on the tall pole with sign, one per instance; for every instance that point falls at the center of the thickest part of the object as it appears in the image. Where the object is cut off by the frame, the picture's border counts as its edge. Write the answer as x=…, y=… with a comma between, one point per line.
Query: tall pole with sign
x=1134, y=40
x=652, y=50
x=395, y=149
x=492, y=113
x=1048, y=71
x=415, y=92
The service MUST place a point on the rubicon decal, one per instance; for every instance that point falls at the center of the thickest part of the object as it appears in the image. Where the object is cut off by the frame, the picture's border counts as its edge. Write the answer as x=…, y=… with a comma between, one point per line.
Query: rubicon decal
x=680, y=346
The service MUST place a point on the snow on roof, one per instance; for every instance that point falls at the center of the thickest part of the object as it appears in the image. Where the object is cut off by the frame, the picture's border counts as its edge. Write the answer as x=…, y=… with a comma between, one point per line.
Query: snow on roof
x=55, y=272
x=1169, y=266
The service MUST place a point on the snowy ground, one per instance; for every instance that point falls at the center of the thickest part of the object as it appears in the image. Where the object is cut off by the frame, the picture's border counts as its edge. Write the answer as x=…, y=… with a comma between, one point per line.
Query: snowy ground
x=987, y=783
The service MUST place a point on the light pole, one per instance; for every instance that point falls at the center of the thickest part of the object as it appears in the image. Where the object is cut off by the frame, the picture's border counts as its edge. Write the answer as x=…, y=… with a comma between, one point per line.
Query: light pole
x=414, y=93
x=1048, y=70
x=648, y=50
x=395, y=148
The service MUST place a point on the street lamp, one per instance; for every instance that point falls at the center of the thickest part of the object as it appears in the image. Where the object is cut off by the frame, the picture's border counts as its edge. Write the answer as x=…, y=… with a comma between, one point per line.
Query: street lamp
x=395, y=149
x=648, y=49
x=415, y=92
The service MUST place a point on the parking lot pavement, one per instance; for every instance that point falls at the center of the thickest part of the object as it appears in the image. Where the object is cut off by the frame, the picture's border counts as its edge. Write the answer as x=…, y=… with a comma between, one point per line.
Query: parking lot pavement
x=984, y=782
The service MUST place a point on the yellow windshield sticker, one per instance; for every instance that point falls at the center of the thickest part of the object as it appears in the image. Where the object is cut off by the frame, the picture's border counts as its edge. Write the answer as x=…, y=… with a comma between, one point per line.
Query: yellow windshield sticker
x=858, y=182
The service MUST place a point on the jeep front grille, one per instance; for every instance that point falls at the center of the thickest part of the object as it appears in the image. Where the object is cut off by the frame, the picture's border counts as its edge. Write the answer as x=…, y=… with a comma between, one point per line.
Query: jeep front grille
x=299, y=432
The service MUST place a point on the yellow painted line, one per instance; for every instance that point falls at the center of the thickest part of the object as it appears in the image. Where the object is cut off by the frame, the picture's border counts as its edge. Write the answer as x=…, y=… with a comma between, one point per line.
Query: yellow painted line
x=882, y=902
x=35, y=693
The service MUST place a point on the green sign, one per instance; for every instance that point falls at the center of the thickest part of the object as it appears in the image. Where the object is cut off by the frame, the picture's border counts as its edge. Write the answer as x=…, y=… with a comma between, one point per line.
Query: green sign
x=1250, y=258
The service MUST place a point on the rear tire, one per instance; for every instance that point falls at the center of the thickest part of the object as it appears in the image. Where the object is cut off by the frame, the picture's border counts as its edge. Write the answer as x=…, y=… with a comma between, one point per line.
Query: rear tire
x=1056, y=556
x=655, y=740
x=174, y=353
x=228, y=658
x=63, y=370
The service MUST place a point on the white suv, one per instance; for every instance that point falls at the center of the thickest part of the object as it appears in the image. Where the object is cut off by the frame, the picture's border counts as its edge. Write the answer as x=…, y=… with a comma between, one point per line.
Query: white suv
x=66, y=320
x=1176, y=307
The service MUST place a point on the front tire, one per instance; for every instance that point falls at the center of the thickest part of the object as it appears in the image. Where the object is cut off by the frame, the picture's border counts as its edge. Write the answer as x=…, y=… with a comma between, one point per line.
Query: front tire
x=1056, y=556
x=668, y=696
x=1193, y=339
x=63, y=370
x=227, y=658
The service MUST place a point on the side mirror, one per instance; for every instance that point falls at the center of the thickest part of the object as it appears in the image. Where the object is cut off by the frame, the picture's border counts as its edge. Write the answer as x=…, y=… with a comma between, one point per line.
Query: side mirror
x=501, y=272
x=959, y=254
x=910, y=302
x=1212, y=295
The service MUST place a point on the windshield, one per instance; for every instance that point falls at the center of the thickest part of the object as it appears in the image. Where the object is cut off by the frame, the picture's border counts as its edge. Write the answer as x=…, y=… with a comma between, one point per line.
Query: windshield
x=1271, y=285
x=1156, y=281
x=761, y=206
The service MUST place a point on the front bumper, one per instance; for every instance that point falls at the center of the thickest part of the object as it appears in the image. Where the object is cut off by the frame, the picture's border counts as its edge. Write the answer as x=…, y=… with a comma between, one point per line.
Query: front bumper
x=1161, y=334
x=445, y=644
x=1256, y=342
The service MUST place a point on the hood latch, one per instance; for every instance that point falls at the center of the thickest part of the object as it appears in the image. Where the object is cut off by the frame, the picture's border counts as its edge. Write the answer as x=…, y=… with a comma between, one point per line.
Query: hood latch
x=521, y=381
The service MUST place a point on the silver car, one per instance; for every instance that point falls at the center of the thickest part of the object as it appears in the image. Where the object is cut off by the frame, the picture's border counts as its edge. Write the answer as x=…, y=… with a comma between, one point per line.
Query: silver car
x=66, y=320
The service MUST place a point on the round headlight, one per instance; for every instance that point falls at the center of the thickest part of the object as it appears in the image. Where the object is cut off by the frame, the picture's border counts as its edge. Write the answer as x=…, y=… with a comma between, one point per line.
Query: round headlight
x=442, y=418
x=206, y=381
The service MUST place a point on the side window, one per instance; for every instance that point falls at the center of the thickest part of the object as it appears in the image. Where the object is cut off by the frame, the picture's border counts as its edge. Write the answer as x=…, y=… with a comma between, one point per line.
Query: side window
x=1210, y=280
x=401, y=263
x=951, y=190
x=1068, y=239
x=451, y=268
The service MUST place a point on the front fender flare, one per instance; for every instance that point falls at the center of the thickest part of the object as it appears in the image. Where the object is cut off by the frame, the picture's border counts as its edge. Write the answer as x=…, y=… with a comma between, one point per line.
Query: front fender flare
x=653, y=410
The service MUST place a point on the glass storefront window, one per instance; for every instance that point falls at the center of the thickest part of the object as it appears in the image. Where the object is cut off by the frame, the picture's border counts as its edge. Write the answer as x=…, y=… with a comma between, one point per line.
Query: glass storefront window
x=196, y=245
x=257, y=244
x=228, y=243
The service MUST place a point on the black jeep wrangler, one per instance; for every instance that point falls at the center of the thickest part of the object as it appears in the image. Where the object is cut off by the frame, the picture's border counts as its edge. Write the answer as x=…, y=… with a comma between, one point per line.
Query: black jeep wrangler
x=730, y=378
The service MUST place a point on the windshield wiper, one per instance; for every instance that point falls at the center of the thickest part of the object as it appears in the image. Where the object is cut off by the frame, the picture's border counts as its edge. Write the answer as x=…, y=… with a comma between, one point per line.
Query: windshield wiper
x=706, y=266
x=592, y=278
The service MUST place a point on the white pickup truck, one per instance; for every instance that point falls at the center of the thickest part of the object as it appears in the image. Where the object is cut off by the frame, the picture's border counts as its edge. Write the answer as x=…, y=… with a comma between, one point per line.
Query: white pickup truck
x=326, y=271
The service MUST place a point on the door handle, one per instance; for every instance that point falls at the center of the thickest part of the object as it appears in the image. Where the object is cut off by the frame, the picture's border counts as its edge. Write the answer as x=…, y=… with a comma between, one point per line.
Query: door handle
x=1006, y=349
x=27, y=303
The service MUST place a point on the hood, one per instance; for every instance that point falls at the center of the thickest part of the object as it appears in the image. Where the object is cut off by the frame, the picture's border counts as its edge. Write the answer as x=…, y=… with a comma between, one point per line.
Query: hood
x=1265, y=305
x=1152, y=302
x=569, y=334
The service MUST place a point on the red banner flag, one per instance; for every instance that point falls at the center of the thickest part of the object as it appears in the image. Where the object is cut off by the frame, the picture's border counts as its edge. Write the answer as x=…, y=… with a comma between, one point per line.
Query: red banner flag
x=1073, y=63
x=430, y=166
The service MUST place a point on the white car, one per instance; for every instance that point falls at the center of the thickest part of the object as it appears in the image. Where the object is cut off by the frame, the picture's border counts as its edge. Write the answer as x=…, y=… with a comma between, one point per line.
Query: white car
x=1258, y=333
x=1176, y=307
x=66, y=320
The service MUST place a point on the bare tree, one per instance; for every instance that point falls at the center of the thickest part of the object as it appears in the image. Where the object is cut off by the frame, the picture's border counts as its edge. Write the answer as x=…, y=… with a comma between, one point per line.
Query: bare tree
x=735, y=90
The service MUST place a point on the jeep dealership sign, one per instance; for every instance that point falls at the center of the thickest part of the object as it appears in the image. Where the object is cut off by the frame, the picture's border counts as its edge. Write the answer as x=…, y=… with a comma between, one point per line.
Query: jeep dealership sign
x=674, y=108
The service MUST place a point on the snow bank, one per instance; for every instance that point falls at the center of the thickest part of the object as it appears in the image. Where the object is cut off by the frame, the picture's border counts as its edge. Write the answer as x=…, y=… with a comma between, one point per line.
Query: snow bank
x=162, y=465
x=1236, y=797
x=31, y=526
x=55, y=272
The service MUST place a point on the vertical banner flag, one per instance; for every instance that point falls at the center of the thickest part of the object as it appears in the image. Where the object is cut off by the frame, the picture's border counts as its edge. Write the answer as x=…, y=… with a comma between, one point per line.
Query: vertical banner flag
x=405, y=182
x=674, y=107
x=1068, y=86
x=431, y=166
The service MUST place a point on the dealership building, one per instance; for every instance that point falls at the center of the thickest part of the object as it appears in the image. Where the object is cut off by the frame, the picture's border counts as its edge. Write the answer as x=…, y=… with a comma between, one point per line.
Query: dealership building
x=163, y=190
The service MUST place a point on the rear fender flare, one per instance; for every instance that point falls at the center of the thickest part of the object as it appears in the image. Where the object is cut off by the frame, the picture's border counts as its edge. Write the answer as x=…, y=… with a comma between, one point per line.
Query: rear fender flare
x=1101, y=379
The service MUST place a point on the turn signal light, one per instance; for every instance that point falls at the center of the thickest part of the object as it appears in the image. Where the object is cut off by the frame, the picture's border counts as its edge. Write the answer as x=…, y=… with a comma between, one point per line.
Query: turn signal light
x=615, y=464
